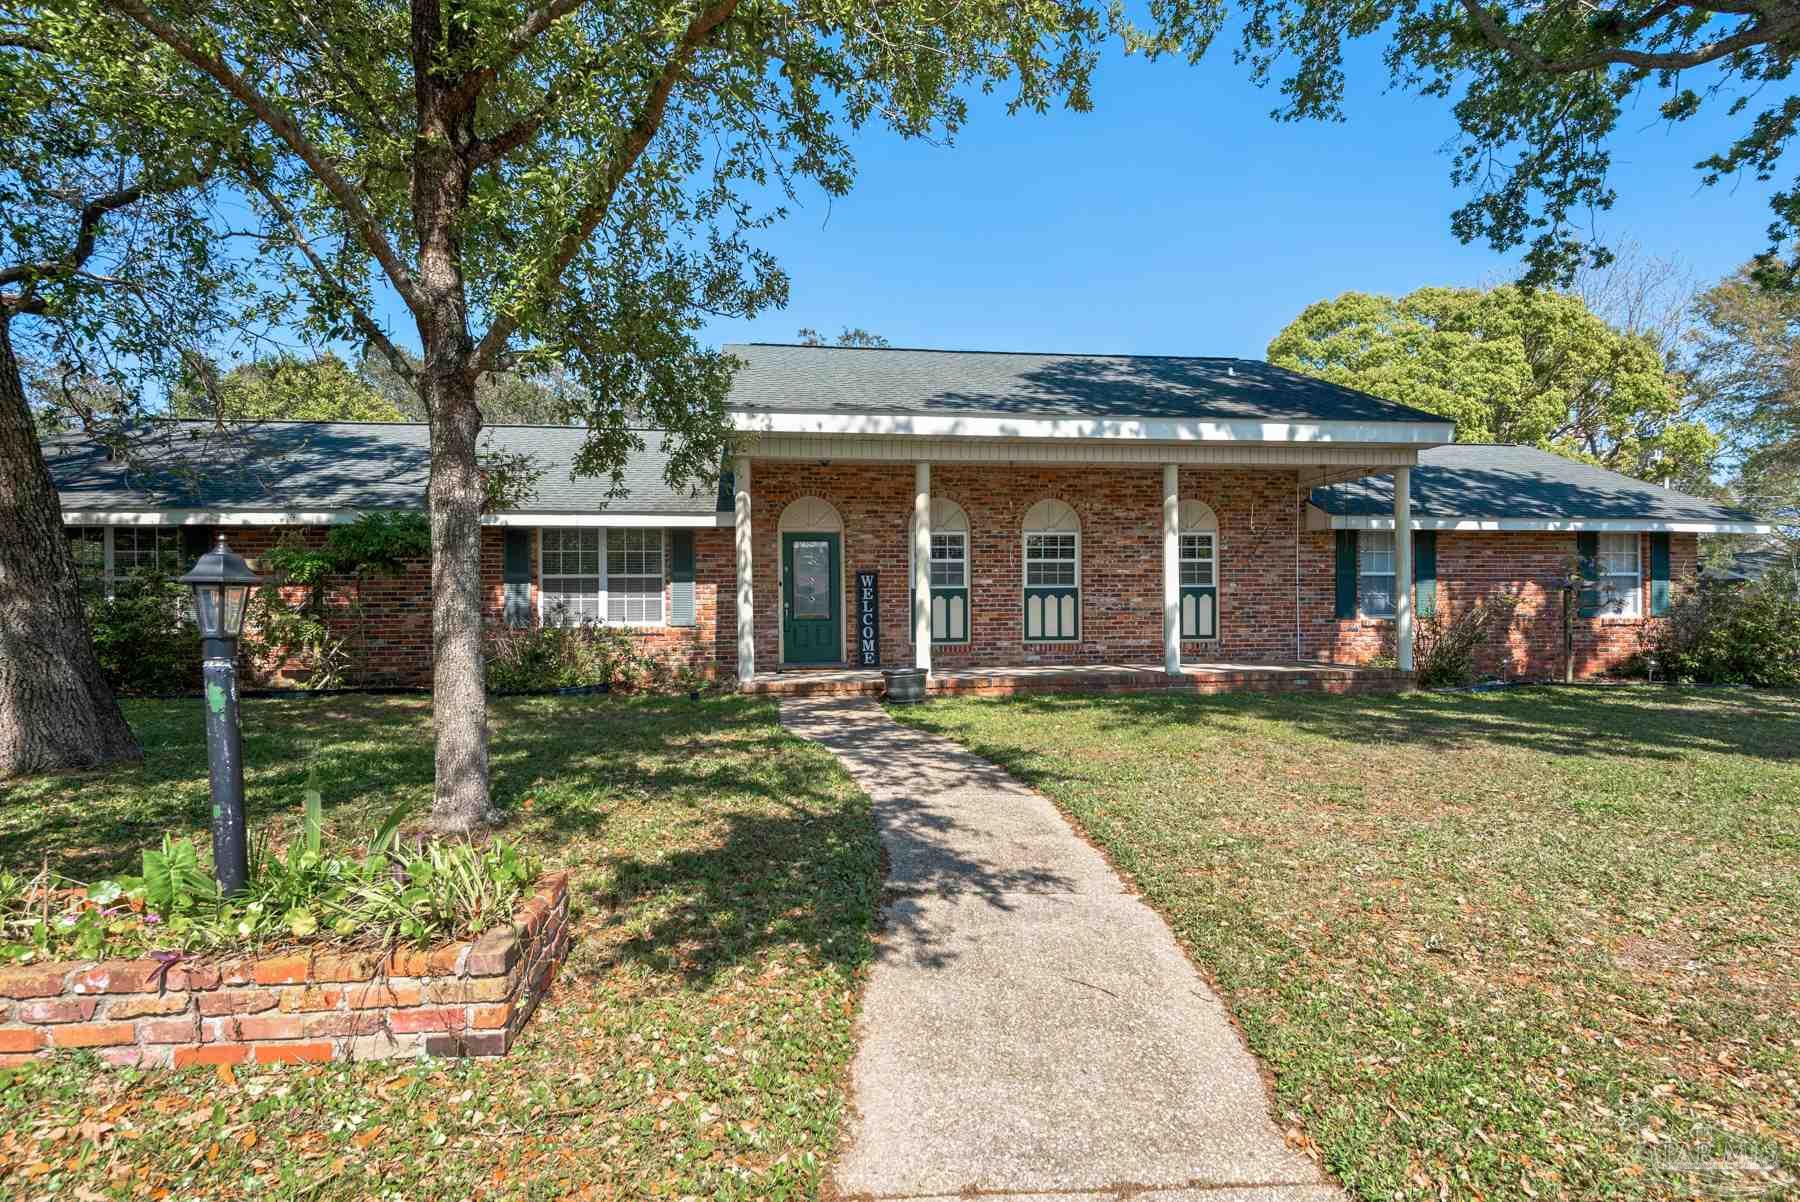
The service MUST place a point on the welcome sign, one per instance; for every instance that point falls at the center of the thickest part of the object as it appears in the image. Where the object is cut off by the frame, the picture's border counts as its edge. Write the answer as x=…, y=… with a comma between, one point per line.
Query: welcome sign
x=868, y=619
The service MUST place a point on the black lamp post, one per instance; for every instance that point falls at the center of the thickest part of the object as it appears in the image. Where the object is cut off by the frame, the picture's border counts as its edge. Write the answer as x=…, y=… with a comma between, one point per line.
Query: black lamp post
x=221, y=582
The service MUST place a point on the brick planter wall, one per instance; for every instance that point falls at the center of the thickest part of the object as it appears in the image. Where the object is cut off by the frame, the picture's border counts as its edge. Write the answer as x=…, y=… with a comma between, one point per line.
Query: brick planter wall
x=464, y=999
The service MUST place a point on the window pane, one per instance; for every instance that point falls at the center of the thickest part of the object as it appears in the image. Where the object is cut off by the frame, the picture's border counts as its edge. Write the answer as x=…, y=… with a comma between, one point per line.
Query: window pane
x=1197, y=559
x=1375, y=595
x=949, y=560
x=87, y=546
x=812, y=579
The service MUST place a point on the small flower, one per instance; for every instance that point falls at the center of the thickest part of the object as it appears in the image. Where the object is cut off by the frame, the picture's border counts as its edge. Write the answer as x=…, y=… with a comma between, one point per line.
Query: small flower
x=152, y=919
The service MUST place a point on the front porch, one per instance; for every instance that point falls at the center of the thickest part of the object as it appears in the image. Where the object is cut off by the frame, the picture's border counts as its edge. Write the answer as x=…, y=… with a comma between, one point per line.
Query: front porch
x=1094, y=678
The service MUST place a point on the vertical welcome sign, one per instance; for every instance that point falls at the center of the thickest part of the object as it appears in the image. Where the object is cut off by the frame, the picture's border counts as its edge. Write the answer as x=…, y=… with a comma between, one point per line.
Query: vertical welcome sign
x=868, y=619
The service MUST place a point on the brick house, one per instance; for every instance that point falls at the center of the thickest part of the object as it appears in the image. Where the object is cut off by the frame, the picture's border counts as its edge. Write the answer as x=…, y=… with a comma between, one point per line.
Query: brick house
x=1049, y=510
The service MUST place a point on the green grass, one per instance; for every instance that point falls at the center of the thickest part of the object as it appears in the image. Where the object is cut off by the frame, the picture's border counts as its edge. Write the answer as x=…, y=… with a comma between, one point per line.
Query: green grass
x=1541, y=943
x=696, y=1042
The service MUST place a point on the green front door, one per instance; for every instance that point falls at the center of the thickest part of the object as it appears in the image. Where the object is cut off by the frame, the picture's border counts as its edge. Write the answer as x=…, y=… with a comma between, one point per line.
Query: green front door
x=812, y=570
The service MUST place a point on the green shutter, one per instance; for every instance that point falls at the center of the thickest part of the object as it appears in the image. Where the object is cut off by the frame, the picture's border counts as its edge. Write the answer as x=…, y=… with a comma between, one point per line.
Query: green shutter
x=1587, y=549
x=1425, y=570
x=515, y=575
x=681, y=578
x=1659, y=574
x=1346, y=573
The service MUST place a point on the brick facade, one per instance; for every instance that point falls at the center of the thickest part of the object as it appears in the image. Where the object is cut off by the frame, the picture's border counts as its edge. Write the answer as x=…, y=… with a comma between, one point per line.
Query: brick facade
x=460, y=999
x=385, y=620
x=1276, y=579
x=1470, y=566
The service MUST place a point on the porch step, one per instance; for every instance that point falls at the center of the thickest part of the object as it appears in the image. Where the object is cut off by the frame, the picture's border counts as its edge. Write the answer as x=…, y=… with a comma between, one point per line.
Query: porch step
x=1122, y=678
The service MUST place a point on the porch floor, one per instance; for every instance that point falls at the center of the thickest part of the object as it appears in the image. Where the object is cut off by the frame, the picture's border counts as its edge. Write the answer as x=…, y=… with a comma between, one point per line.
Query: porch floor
x=1088, y=678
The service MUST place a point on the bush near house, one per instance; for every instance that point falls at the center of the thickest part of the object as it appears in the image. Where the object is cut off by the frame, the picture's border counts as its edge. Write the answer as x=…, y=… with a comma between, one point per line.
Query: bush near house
x=145, y=638
x=1726, y=634
x=538, y=658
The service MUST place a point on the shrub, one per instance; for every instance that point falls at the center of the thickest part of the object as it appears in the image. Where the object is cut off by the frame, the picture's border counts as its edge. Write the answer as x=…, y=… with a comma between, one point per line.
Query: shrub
x=1724, y=634
x=145, y=638
x=1445, y=643
x=527, y=659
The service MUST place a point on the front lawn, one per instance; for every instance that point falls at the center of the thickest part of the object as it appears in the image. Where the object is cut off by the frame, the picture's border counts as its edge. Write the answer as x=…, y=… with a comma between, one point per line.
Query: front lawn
x=696, y=1042
x=1534, y=944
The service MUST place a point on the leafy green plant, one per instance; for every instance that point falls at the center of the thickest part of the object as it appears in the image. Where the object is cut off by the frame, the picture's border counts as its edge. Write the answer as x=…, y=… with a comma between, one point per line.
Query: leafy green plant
x=1725, y=634
x=145, y=638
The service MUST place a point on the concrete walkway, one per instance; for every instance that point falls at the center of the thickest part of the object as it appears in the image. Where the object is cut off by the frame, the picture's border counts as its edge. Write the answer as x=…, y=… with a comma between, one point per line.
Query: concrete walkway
x=1029, y=1027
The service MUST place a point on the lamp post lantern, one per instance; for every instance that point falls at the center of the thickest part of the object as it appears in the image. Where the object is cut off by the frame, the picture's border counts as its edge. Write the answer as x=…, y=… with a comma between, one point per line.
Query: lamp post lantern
x=221, y=582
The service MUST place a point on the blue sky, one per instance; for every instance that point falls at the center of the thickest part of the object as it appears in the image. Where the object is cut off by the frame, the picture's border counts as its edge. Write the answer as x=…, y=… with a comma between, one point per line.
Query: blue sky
x=1179, y=218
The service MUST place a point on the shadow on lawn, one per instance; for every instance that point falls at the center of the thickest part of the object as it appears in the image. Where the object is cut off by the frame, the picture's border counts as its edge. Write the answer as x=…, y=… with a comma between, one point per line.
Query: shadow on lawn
x=1645, y=723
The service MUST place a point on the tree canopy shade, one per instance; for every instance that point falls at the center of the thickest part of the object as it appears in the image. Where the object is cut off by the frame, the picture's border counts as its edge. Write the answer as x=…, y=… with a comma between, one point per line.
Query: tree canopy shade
x=1538, y=90
x=1509, y=365
x=564, y=185
x=107, y=275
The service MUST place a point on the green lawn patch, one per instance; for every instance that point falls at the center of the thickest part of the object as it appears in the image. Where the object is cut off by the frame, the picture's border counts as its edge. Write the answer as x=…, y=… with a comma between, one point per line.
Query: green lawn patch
x=1538, y=943
x=695, y=1044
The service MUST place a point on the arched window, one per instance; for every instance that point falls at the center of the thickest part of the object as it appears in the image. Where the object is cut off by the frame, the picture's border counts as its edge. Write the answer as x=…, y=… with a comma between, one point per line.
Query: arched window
x=1199, y=571
x=949, y=572
x=1052, y=573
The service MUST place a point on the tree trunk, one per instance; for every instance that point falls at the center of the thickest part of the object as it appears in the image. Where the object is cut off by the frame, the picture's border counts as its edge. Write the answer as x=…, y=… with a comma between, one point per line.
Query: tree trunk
x=459, y=692
x=56, y=710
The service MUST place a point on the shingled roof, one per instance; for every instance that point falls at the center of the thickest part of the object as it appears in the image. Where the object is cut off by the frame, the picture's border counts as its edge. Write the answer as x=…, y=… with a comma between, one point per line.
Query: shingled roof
x=869, y=381
x=337, y=466
x=1481, y=480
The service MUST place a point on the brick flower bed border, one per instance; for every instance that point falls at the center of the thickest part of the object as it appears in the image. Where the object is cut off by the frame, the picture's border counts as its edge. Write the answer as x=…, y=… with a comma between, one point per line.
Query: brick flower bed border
x=464, y=999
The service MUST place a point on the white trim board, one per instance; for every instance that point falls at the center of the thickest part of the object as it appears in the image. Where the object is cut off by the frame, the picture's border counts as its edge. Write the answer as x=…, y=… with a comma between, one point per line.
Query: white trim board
x=1140, y=429
x=340, y=517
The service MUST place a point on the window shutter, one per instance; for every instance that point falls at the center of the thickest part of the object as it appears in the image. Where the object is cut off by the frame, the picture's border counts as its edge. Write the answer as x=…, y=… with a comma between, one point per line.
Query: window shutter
x=1425, y=570
x=1346, y=574
x=1659, y=574
x=195, y=542
x=1587, y=549
x=681, y=578
x=516, y=576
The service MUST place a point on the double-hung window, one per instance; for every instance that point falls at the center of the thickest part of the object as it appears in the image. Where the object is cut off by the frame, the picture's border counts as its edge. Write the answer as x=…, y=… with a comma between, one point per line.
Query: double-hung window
x=949, y=586
x=634, y=577
x=1621, y=576
x=592, y=575
x=109, y=556
x=1050, y=559
x=1375, y=587
x=1199, y=586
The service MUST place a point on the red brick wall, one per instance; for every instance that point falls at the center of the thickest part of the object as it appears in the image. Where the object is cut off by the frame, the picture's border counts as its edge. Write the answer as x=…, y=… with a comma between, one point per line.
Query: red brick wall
x=1121, y=556
x=1470, y=566
x=386, y=620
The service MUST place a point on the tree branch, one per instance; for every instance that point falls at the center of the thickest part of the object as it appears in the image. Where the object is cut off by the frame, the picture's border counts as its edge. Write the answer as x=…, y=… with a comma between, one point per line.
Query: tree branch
x=284, y=127
x=87, y=233
x=1754, y=34
x=637, y=138
x=376, y=336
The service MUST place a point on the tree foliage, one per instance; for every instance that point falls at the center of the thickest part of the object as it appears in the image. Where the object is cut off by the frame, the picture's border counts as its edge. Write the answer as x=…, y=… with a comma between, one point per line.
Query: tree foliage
x=1538, y=92
x=1509, y=365
x=848, y=336
x=1746, y=366
x=285, y=387
x=558, y=186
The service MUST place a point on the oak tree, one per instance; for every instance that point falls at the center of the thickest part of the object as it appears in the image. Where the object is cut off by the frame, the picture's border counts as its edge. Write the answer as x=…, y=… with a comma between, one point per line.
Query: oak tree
x=574, y=185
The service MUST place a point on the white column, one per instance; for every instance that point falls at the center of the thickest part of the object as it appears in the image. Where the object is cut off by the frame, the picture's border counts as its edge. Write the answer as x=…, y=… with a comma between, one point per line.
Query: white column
x=746, y=608
x=1171, y=543
x=1403, y=569
x=921, y=566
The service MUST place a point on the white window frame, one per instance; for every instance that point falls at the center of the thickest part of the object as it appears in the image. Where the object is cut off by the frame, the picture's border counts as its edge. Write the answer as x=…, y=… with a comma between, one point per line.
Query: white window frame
x=661, y=575
x=1211, y=559
x=1025, y=584
x=1363, y=538
x=602, y=595
x=1075, y=562
x=961, y=562
x=1621, y=592
x=110, y=575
